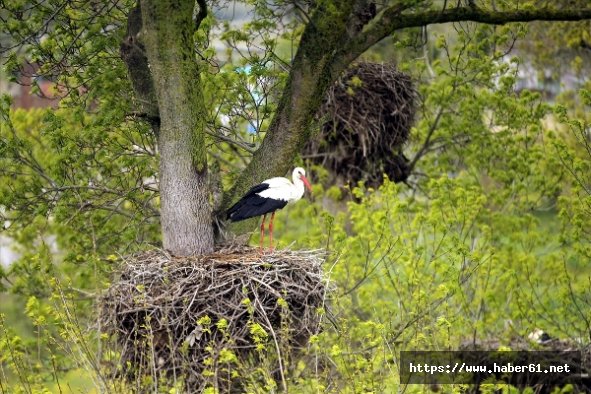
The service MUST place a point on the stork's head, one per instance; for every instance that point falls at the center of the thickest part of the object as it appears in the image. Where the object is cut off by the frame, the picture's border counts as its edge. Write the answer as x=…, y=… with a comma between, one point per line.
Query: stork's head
x=299, y=175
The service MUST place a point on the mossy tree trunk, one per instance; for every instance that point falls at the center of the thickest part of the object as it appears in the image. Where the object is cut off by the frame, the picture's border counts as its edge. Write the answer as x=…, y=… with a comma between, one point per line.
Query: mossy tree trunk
x=167, y=35
x=159, y=53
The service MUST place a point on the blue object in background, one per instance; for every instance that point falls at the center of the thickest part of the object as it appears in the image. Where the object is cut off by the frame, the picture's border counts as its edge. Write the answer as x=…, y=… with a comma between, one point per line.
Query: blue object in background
x=250, y=127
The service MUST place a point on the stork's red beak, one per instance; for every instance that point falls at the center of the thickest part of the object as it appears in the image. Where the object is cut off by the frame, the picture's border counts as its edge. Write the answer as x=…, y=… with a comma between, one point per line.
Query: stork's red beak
x=306, y=183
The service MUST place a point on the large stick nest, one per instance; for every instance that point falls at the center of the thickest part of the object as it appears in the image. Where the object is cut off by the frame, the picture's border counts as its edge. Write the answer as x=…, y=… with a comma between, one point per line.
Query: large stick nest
x=173, y=316
x=366, y=117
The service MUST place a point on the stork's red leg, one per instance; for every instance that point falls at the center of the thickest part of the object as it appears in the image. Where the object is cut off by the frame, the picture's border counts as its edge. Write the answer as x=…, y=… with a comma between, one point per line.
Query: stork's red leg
x=262, y=233
x=271, y=229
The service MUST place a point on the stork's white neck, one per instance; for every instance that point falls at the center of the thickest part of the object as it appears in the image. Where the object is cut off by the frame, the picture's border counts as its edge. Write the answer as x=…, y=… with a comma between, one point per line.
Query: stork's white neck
x=298, y=185
x=298, y=188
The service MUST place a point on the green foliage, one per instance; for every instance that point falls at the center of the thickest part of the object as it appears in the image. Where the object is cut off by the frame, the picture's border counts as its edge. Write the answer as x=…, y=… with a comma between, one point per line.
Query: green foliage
x=63, y=171
x=492, y=246
x=492, y=241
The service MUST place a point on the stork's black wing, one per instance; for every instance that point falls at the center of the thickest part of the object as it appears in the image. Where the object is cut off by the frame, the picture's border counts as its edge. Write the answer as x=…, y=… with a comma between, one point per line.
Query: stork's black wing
x=252, y=204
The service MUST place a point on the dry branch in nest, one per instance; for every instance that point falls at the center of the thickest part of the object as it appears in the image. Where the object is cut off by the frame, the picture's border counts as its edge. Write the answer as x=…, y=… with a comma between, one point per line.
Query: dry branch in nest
x=366, y=119
x=198, y=319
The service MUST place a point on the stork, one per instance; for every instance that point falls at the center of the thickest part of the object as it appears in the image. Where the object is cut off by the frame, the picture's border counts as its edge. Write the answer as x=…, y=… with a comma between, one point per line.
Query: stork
x=268, y=197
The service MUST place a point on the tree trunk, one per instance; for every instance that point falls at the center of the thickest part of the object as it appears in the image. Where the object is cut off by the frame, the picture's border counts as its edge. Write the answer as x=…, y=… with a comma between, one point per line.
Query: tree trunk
x=185, y=211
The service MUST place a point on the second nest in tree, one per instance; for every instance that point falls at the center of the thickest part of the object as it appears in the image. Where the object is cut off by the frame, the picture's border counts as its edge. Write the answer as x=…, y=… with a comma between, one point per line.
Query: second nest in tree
x=366, y=120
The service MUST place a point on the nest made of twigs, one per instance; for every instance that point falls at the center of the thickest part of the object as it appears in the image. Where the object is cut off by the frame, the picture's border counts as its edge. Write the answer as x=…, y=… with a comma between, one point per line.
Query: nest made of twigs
x=173, y=316
x=366, y=117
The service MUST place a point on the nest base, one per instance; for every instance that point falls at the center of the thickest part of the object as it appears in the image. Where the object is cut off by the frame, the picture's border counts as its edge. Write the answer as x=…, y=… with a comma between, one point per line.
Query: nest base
x=201, y=320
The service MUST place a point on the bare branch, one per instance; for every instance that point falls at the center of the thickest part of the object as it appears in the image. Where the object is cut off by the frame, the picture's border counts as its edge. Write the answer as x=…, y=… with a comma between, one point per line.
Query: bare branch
x=241, y=144
x=427, y=142
x=392, y=19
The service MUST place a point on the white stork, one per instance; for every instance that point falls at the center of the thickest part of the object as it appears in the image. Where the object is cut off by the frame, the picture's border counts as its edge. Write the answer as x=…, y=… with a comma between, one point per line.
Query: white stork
x=267, y=197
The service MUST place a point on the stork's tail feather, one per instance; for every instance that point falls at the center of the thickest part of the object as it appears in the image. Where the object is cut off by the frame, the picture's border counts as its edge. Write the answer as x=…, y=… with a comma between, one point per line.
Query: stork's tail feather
x=231, y=213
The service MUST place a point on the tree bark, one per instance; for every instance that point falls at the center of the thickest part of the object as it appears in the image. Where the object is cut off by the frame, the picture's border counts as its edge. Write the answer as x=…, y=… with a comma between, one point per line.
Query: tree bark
x=185, y=211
